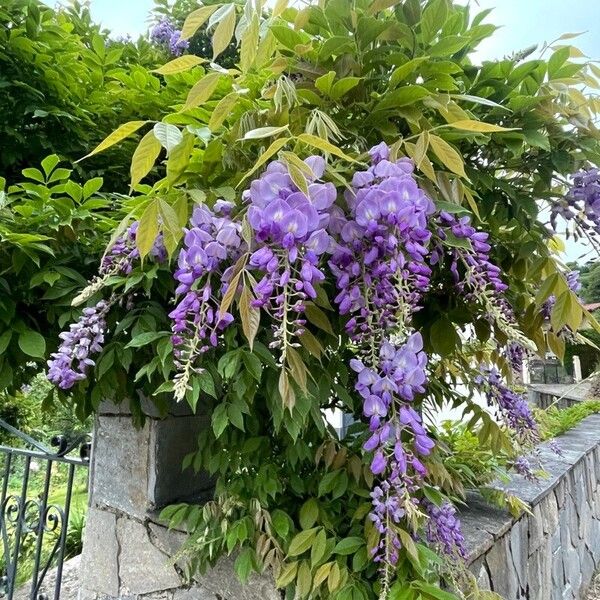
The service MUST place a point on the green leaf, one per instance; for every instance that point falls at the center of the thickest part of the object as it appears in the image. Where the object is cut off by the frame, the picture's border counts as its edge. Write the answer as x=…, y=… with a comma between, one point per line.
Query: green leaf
x=447, y=155
x=557, y=60
x=49, y=163
x=5, y=340
x=144, y=157
x=287, y=36
x=264, y=132
x=115, y=137
x=403, y=71
x=324, y=83
x=202, y=90
x=250, y=316
x=269, y=152
x=318, y=317
x=196, y=19
x=433, y=19
x=319, y=547
x=309, y=513
x=302, y=541
x=145, y=338
x=222, y=111
x=348, y=545
x=180, y=64
x=478, y=100
x=219, y=420
x=479, y=126
x=343, y=86
x=147, y=229
x=444, y=337
x=32, y=343
x=224, y=31
x=168, y=135
x=243, y=564
x=316, y=142
x=403, y=96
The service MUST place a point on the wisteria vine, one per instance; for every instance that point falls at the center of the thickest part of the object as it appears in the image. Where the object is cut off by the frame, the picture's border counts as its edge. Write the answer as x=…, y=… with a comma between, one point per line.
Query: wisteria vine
x=378, y=244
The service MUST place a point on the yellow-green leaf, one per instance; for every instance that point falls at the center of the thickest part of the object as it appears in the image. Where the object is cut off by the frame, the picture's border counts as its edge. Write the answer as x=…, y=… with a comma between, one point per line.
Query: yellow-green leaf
x=478, y=126
x=144, y=157
x=196, y=19
x=317, y=142
x=264, y=132
x=116, y=136
x=224, y=32
x=302, y=541
x=179, y=157
x=287, y=575
x=447, y=155
x=270, y=151
x=180, y=64
x=229, y=293
x=250, y=316
x=317, y=317
x=172, y=231
x=322, y=573
x=297, y=369
x=249, y=43
x=286, y=391
x=222, y=110
x=202, y=90
x=311, y=343
x=147, y=229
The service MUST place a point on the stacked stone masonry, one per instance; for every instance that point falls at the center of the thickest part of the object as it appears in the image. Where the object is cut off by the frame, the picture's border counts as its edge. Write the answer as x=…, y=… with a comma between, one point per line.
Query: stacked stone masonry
x=552, y=553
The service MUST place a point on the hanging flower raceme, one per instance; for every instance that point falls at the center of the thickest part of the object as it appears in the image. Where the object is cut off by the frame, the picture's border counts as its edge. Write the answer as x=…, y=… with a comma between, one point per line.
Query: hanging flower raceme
x=379, y=263
x=289, y=228
x=72, y=362
x=512, y=407
x=444, y=531
x=211, y=245
x=581, y=204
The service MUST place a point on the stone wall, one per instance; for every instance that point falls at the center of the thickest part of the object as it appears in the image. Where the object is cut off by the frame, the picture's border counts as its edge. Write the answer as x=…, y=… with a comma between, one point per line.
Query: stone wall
x=552, y=553
x=128, y=554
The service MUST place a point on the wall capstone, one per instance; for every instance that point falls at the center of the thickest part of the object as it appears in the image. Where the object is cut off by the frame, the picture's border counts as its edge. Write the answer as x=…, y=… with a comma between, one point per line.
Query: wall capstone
x=552, y=553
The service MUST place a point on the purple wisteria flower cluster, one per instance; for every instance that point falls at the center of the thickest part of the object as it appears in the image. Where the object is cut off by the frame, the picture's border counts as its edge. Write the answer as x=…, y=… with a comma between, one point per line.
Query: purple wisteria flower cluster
x=379, y=259
x=72, y=361
x=522, y=465
x=513, y=408
x=581, y=205
x=444, y=530
x=203, y=272
x=379, y=264
x=167, y=35
x=122, y=256
x=290, y=232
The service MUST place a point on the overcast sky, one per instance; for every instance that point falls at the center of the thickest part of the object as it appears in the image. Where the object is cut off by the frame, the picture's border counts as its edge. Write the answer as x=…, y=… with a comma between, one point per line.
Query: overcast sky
x=523, y=23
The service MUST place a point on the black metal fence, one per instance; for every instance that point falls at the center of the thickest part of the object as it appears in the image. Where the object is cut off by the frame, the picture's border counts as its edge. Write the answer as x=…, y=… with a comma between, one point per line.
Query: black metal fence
x=40, y=487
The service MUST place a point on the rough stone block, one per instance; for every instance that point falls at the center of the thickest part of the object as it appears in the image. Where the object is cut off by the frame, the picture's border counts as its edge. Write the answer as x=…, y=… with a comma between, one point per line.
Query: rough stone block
x=143, y=568
x=100, y=552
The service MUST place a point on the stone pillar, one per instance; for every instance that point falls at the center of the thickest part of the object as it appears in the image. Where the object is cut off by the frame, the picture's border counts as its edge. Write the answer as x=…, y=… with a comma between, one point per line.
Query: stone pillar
x=128, y=554
x=525, y=374
x=577, y=369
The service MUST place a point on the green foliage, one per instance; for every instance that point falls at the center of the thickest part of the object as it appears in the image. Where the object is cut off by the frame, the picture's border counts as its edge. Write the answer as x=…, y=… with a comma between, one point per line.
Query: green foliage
x=65, y=85
x=489, y=140
x=590, y=281
x=554, y=421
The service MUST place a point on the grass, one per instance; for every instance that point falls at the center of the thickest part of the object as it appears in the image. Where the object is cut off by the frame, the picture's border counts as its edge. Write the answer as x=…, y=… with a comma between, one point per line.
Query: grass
x=554, y=421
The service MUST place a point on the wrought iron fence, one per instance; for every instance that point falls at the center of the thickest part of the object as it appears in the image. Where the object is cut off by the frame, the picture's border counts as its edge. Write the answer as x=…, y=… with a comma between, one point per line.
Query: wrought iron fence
x=38, y=485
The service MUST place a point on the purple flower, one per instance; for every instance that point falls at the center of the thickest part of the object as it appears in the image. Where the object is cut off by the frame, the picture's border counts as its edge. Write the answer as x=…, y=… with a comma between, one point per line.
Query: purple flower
x=444, y=530
x=165, y=34
x=72, y=361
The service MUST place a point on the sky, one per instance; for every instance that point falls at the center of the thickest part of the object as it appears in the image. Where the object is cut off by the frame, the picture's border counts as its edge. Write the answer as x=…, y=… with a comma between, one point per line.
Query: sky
x=522, y=24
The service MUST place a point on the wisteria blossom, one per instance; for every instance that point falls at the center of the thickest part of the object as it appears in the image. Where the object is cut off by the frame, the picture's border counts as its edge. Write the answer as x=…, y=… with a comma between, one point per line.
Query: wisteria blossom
x=444, y=531
x=72, y=361
x=203, y=272
x=166, y=34
x=290, y=234
x=513, y=407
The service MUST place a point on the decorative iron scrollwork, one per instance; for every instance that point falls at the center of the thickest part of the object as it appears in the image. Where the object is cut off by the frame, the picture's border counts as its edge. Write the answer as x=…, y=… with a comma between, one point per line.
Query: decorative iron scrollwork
x=33, y=527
